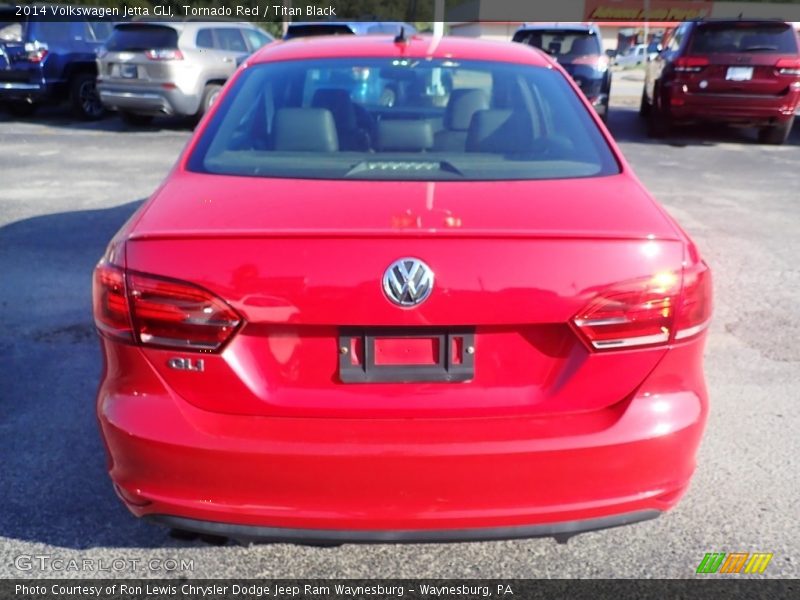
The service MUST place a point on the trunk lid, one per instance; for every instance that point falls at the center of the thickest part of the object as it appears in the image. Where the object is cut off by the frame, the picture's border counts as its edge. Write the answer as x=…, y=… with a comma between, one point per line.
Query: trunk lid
x=300, y=260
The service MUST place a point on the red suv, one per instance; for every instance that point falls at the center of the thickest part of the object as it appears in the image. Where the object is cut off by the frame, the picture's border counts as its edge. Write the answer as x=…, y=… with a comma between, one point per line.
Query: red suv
x=737, y=72
x=441, y=313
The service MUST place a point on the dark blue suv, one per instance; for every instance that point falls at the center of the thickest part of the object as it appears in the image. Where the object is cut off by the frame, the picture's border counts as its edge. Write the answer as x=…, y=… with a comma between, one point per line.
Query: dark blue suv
x=579, y=49
x=43, y=61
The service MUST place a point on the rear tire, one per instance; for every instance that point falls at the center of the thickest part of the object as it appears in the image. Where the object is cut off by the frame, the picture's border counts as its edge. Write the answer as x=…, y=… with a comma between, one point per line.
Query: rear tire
x=210, y=94
x=776, y=134
x=84, y=98
x=644, y=106
x=135, y=119
x=658, y=122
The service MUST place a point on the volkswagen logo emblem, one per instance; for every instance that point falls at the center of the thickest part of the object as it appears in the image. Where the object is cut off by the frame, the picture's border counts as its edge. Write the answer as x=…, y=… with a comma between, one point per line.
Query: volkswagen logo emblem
x=408, y=282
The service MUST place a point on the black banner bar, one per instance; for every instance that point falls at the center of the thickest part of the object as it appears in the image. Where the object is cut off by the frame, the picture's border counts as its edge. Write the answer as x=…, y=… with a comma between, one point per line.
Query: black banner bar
x=417, y=11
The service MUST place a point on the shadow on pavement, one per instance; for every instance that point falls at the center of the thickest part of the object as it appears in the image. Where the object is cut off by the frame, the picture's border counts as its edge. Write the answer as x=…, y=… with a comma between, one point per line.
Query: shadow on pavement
x=55, y=487
x=60, y=116
x=626, y=126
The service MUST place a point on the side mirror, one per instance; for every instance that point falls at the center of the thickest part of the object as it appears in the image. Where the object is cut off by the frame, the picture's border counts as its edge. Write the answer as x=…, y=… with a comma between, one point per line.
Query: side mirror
x=611, y=53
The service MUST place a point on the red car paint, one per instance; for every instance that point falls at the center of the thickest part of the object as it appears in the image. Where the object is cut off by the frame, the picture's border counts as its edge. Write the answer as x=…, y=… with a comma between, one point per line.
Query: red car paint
x=551, y=433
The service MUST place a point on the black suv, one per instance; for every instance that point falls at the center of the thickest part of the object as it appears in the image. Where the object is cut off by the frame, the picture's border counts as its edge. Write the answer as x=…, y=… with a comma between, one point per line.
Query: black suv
x=42, y=61
x=579, y=50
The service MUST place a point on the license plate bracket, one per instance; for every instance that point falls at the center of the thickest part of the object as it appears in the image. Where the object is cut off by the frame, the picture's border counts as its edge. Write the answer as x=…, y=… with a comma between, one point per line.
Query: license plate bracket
x=452, y=358
x=739, y=74
x=128, y=71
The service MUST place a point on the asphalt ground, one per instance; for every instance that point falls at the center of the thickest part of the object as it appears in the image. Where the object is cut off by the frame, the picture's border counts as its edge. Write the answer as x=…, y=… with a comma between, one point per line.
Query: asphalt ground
x=66, y=187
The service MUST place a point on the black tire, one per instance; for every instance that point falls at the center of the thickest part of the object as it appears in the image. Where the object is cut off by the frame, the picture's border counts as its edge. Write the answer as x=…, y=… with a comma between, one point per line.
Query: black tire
x=84, y=98
x=776, y=134
x=210, y=94
x=658, y=122
x=135, y=119
x=644, y=106
x=21, y=108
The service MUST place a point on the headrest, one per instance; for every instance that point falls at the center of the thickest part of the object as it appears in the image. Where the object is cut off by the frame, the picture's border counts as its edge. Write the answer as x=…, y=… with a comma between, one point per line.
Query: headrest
x=755, y=40
x=305, y=130
x=500, y=131
x=339, y=103
x=582, y=46
x=404, y=135
x=462, y=105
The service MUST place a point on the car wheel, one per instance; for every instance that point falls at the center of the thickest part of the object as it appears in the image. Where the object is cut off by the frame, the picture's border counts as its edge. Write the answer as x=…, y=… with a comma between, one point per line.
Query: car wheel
x=644, y=106
x=84, y=97
x=135, y=119
x=21, y=109
x=776, y=134
x=209, y=97
x=658, y=123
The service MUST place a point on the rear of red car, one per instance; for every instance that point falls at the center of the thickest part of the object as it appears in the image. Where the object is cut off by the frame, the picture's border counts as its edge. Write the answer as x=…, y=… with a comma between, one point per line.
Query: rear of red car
x=376, y=349
x=737, y=72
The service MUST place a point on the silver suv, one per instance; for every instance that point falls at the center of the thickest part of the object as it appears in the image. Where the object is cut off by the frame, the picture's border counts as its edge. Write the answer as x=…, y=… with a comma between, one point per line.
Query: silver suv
x=171, y=68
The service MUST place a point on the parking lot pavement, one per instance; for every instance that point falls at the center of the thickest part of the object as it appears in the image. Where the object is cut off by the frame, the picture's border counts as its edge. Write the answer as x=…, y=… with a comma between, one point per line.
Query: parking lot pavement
x=66, y=187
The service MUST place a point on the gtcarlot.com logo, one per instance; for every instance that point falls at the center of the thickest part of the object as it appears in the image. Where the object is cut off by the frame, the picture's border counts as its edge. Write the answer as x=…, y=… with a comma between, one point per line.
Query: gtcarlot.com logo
x=734, y=562
x=49, y=562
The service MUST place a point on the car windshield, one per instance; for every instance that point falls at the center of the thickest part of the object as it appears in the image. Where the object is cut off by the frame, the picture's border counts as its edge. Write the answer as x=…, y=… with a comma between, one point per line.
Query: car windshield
x=402, y=119
x=135, y=37
x=560, y=43
x=717, y=38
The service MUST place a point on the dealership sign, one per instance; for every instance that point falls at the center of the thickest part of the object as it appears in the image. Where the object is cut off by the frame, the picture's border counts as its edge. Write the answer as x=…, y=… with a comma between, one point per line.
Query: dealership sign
x=643, y=10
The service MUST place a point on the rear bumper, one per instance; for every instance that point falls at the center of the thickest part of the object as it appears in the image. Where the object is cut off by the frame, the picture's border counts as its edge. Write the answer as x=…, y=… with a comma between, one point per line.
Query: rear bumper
x=335, y=479
x=147, y=100
x=732, y=108
x=252, y=533
x=16, y=90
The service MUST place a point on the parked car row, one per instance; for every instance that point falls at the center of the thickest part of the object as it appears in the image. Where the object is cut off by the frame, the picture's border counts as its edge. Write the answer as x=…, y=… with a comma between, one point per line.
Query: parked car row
x=738, y=72
x=140, y=69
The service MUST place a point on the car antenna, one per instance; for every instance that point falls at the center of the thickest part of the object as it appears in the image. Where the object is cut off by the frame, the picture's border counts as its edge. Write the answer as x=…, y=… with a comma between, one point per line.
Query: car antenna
x=401, y=38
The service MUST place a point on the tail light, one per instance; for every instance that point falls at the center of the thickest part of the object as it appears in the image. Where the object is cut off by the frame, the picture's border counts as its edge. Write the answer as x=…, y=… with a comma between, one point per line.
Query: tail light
x=163, y=54
x=598, y=62
x=788, y=66
x=35, y=52
x=648, y=311
x=111, y=314
x=690, y=64
x=694, y=311
x=154, y=311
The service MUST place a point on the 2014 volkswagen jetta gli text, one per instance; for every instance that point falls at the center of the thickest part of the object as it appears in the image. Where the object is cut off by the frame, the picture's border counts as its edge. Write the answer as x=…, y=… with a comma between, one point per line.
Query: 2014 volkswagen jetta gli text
x=401, y=290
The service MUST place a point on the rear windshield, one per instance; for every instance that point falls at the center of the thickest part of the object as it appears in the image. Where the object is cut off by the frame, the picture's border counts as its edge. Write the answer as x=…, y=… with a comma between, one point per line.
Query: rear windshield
x=402, y=119
x=562, y=44
x=133, y=38
x=716, y=38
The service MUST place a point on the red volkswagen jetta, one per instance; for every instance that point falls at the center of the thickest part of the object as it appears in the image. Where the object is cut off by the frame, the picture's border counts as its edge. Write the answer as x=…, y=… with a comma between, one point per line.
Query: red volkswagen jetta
x=401, y=290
